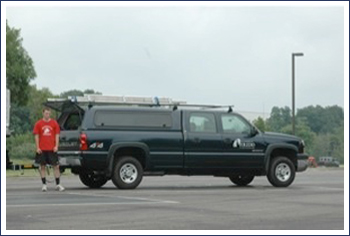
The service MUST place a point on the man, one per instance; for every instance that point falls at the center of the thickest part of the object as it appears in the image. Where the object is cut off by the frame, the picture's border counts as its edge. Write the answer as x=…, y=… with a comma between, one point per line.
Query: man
x=47, y=132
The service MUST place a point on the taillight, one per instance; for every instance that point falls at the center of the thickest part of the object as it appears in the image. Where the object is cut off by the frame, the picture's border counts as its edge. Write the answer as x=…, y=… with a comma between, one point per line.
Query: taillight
x=83, y=142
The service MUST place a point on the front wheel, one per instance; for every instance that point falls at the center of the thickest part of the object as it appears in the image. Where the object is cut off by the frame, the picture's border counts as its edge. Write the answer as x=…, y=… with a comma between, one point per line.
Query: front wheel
x=91, y=180
x=242, y=180
x=127, y=173
x=281, y=172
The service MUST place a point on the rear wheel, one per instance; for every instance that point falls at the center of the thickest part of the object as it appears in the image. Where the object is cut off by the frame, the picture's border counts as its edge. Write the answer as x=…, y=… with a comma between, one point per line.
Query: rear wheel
x=127, y=173
x=92, y=180
x=281, y=172
x=242, y=180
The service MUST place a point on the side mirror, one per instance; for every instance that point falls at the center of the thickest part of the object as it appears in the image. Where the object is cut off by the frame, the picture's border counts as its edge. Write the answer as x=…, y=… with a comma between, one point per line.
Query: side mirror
x=253, y=131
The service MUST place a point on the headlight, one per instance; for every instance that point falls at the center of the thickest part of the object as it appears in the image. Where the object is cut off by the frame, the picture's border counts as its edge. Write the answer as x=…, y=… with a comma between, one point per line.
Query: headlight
x=301, y=146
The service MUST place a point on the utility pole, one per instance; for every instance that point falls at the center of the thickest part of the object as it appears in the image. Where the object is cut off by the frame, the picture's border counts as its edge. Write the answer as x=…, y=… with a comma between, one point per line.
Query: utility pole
x=293, y=88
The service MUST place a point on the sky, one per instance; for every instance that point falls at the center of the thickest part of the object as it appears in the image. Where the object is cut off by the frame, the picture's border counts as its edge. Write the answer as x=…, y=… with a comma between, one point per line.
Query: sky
x=208, y=55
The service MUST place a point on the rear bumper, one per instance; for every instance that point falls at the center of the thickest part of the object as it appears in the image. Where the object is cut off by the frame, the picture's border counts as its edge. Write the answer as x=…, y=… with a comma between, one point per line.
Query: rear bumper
x=302, y=162
x=69, y=159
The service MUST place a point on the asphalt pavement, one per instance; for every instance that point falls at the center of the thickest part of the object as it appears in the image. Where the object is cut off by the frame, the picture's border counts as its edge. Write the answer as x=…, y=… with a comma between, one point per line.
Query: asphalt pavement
x=315, y=201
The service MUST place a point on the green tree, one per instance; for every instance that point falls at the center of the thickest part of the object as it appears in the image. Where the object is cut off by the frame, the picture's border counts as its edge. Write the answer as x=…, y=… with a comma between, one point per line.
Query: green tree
x=35, y=103
x=322, y=120
x=338, y=147
x=19, y=67
x=76, y=92
x=303, y=131
x=279, y=118
x=91, y=91
x=260, y=124
x=20, y=121
x=329, y=145
x=21, y=146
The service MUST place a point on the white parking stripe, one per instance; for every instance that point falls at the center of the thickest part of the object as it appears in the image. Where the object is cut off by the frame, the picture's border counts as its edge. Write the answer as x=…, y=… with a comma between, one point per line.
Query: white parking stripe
x=91, y=204
x=123, y=197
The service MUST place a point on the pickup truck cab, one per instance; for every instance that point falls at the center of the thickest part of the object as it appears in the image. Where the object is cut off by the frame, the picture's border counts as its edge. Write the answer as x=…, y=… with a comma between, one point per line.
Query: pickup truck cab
x=125, y=143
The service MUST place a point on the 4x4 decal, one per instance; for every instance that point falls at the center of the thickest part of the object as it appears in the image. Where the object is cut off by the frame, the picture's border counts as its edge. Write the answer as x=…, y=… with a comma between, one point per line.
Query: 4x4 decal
x=96, y=145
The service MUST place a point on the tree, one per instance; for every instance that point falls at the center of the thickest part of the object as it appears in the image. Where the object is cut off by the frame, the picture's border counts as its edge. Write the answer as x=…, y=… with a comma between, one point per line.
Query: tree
x=322, y=120
x=20, y=121
x=19, y=67
x=329, y=145
x=260, y=124
x=279, y=118
x=91, y=91
x=76, y=92
x=303, y=131
x=35, y=103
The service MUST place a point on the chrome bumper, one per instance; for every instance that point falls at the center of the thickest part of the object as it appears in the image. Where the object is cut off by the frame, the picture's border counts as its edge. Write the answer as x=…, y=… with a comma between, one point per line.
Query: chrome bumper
x=70, y=161
x=302, y=165
x=302, y=162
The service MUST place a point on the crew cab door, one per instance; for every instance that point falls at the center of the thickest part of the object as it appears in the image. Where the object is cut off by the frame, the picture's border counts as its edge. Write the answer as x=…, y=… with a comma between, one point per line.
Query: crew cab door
x=203, y=145
x=242, y=147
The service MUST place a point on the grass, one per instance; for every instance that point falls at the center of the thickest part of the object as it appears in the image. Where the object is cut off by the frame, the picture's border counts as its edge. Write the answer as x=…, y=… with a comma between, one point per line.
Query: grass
x=29, y=172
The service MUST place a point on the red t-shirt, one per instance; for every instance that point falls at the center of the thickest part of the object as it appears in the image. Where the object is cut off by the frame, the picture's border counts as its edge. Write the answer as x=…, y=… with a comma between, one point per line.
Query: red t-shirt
x=47, y=131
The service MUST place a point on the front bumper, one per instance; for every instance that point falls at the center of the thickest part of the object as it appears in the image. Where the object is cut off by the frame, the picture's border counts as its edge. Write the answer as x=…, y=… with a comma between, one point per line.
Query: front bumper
x=302, y=162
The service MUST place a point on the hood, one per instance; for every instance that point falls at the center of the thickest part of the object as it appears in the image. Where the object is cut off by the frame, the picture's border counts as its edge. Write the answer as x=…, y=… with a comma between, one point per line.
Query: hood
x=286, y=137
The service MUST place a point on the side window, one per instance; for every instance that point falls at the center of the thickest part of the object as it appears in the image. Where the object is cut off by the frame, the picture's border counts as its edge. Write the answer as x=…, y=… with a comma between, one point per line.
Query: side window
x=72, y=122
x=202, y=122
x=133, y=119
x=234, y=124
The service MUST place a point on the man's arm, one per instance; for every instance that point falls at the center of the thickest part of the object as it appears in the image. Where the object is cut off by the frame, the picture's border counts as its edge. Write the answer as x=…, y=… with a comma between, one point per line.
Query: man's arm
x=57, y=142
x=38, y=150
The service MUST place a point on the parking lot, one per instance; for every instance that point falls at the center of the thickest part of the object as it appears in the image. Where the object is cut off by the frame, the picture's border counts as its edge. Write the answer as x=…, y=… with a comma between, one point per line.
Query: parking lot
x=315, y=201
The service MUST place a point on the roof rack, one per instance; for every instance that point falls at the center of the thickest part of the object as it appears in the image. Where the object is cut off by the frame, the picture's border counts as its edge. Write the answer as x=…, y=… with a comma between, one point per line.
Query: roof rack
x=118, y=100
x=175, y=106
x=90, y=100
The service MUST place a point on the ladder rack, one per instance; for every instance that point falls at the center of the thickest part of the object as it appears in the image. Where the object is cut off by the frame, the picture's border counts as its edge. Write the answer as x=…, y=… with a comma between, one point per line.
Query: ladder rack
x=91, y=100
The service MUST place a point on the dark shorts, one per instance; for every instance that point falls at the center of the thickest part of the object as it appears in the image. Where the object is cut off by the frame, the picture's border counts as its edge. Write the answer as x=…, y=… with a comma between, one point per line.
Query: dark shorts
x=47, y=157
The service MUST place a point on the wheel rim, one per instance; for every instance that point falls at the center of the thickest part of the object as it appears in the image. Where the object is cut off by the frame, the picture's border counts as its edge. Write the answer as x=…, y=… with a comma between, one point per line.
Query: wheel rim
x=283, y=172
x=128, y=173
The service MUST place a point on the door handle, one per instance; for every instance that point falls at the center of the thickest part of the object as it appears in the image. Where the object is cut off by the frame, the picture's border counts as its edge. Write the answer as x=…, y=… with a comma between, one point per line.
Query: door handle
x=196, y=140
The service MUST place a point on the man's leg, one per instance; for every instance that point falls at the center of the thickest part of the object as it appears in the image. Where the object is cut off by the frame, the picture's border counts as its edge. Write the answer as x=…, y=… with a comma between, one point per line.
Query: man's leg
x=57, y=174
x=43, y=178
x=56, y=168
x=40, y=159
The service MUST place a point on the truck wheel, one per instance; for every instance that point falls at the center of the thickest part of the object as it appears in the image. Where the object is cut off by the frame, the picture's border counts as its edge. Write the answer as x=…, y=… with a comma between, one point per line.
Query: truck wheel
x=242, y=180
x=127, y=173
x=92, y=180
x=281, y=172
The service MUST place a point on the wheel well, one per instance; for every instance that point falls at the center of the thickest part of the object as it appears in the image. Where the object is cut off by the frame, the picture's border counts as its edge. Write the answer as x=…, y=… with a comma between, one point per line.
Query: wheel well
x=135, y=152
x=289, y=153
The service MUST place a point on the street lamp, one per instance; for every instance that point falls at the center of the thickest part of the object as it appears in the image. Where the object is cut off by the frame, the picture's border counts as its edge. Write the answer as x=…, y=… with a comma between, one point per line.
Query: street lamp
x=299, y=54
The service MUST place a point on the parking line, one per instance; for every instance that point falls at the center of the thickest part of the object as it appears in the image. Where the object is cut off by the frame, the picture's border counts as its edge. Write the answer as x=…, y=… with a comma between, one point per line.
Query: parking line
x=92, y=204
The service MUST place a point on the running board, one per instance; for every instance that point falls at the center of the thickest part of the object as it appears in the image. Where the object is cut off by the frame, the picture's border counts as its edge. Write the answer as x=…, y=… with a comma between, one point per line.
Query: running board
x=154, y=173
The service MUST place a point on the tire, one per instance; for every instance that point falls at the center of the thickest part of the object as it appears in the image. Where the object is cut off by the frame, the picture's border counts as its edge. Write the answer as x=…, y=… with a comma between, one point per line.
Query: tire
x=89, y=179
x=127, y=173
x=281, y=172
x=242, y=180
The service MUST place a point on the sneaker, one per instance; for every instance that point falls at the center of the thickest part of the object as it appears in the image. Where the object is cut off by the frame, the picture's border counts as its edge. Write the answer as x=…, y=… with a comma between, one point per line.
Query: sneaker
x=44, y=188
x=59, y=188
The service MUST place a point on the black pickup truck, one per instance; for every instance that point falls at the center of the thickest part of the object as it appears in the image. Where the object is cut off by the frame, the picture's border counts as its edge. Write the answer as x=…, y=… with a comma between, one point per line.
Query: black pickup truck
x=124, y=144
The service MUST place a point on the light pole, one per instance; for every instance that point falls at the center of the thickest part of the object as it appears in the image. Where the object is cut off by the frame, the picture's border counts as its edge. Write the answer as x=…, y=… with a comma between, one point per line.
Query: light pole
x=299, y=54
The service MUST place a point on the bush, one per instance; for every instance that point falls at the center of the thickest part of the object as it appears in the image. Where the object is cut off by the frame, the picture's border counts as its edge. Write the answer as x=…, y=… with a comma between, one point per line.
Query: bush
x=21, y=146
